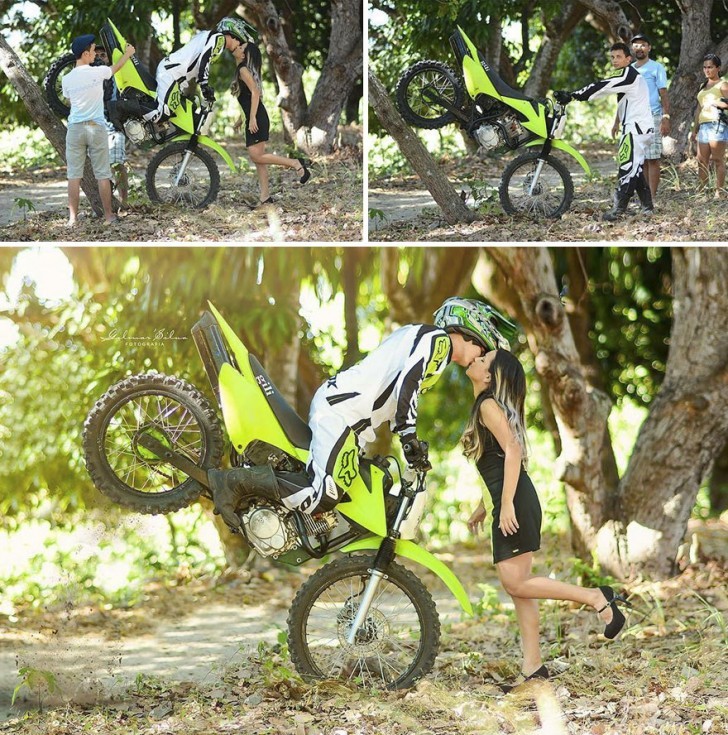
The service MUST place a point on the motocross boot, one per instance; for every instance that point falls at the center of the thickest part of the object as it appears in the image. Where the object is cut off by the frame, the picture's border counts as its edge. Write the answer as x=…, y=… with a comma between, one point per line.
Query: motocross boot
x=645, y=195
x=621, y=200
x=230, y=487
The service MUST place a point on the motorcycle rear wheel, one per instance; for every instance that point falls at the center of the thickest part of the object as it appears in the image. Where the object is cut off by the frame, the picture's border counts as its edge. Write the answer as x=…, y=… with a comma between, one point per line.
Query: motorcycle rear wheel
x=415, y=107
x=52, y=84
x=554, y=191
x=200, y=182
x=173, y=412
x=397, y=644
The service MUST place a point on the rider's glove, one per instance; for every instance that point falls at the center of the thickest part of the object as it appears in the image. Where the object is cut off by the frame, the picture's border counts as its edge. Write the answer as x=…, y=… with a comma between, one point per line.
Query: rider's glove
x=208, y=93
x=563, y=98
x=415, y=452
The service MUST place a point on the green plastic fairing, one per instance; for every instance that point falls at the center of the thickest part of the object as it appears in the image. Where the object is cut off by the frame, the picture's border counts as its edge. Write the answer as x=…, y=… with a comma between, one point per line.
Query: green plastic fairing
x=560, y=145
x=127, y=76
x=210, y=144
x=410, y=550
x=245, y=409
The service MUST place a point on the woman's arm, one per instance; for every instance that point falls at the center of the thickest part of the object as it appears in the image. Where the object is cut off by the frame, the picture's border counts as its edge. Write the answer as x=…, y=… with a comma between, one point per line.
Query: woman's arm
x=495, y=421
x=247, y=78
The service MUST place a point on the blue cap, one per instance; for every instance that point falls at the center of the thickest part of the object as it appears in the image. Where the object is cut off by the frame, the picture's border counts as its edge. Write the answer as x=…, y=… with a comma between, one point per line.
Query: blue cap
x=81, y=43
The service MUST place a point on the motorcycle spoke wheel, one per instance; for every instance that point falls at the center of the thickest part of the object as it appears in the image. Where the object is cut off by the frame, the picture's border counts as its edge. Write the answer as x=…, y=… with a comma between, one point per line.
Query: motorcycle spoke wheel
x=52, y=83
x=416, y=89
x=166, y=420
x=396, y=645
x=551, y=195
x=198, y=185
x=171, y=411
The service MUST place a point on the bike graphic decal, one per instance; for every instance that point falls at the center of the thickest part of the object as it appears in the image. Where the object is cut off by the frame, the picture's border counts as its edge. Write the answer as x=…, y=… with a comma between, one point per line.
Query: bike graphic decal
x=348, y=470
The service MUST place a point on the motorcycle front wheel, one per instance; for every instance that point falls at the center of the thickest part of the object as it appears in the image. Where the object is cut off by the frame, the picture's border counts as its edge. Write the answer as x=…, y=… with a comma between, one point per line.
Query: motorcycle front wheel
x=199, y=184
x=168, y=409
x=395, y=647
x=550, y=196
x=52, y=84
x=416, y=87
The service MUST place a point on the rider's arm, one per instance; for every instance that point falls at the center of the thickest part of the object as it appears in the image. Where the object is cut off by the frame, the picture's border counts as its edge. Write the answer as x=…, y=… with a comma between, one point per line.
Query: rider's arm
x=214, y=46
x=429, y=357
x=604, y=87
x=128, y=53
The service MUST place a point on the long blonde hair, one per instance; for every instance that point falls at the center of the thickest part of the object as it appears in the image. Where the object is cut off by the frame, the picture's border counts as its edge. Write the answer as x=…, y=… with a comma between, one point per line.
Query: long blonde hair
x=508, y=389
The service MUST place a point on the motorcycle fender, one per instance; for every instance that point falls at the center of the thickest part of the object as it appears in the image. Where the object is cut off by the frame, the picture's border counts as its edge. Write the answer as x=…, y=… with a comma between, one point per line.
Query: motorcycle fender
x=560, y=145
x=127, y=76
x=412, y=551
x=210, y=143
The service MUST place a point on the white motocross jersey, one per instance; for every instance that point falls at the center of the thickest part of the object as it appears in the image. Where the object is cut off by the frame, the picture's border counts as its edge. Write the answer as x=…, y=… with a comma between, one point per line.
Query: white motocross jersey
x=192, y=61
x=386, y=384
x=633, y=95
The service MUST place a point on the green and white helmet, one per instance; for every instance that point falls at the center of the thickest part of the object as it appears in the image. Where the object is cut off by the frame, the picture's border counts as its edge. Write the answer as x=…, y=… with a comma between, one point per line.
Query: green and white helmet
x=477, y=320
x=237, y=28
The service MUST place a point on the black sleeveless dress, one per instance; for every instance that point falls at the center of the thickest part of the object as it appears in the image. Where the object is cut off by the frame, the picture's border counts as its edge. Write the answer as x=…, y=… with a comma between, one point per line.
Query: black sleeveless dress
x=245, y=99
x=491, y=466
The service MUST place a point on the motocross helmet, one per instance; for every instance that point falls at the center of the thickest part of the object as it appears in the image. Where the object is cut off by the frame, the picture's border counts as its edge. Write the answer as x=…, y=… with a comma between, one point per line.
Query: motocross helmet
x=237, y=28
x=476, y=320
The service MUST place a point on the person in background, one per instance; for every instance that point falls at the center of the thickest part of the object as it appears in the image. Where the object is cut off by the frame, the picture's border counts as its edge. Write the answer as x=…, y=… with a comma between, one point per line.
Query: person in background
x=656, y=77
x=247, y=89
x=635, y=120
x=495, y=438
x=117, y=140
x=710, y=128
x=83, y=86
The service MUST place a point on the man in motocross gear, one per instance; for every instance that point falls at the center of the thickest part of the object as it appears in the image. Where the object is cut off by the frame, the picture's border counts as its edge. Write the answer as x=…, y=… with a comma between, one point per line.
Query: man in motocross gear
x=383, y=387
x=191, y=63
x=635, y=117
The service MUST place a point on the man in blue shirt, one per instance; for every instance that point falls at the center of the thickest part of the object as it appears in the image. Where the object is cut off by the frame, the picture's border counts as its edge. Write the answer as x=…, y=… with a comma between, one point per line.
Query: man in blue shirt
x=656, y=77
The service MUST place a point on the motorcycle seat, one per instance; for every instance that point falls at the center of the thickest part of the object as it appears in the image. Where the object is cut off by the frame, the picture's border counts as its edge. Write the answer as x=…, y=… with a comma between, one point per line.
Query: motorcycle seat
x=294, y=427
x=501, y=87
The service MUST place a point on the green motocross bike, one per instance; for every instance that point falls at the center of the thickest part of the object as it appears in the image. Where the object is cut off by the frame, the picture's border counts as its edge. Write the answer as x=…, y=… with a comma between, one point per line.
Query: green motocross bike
x=149, y=443
x=184, y=172
x=430, y=95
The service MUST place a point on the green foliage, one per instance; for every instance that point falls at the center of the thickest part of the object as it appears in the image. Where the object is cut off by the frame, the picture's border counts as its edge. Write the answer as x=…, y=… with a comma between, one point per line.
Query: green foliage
x=23, y=148
x=590, y=574
x=38, y=681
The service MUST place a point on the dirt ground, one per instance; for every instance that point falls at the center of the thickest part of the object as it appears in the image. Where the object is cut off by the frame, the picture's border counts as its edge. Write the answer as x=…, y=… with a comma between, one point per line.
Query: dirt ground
x=328, y=208
x=207, y=656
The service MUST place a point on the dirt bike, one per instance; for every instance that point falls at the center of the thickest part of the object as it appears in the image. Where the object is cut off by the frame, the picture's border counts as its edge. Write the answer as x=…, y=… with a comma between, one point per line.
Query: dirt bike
x=430, y=95
x=150, y=441
x=183, y=172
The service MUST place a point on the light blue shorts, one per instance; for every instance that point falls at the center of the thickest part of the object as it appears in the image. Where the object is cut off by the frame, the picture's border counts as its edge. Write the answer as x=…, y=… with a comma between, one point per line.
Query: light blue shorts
x=713, y=132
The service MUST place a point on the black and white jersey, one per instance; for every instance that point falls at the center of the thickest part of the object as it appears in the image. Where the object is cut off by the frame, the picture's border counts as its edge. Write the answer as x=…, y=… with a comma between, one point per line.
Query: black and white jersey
x=192, y=61
x=386, y=384
x=633, y=95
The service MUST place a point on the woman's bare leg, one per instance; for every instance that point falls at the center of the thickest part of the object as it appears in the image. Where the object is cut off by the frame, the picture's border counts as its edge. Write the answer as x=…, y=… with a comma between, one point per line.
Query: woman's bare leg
x=258, y=155
x=717, y=152
x=703, y=163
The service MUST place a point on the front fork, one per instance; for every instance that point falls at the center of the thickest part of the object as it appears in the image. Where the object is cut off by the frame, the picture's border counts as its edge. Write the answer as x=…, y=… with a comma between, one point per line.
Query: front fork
x=183, y=167
x=539, y=166
x=384, y=558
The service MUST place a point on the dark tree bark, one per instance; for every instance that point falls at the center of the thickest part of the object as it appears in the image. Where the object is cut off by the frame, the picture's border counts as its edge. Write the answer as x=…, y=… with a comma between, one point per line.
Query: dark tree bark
x=34, y=100
x=608, y=17
x=313, y=125
x=442, y=191
x=718, y=488
x=350, y=277
x=638, y=526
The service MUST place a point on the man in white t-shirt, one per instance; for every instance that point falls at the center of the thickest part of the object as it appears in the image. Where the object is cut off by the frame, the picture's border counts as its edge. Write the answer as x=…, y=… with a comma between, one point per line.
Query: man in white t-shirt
x=83, y=86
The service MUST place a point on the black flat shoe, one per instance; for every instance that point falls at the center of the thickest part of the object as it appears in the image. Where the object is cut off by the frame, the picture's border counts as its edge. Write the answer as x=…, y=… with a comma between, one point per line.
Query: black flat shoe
x=617, y=622
x=306, y=173
x=542, y=673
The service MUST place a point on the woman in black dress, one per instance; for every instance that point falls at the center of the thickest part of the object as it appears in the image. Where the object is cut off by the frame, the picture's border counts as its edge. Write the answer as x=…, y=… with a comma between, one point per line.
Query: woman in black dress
x=496, y=439
x=247, y=88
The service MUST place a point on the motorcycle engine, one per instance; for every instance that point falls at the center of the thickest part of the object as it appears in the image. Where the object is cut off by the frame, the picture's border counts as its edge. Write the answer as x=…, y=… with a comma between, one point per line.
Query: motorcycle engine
x=507, y=131
x=488, y=136
x=272, y=531
x=136, y=131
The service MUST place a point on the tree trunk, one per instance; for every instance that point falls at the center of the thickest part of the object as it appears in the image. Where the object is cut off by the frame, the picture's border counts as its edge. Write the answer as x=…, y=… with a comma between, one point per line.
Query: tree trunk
x=556, y=33
x=695, y=43
x=442, y=191
x=350, y=278
x=609, y=18
x=34, y=100
x=581, y=410
x=687, y=426
x=718, y=488
x=637, y=527
x=342, y=70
